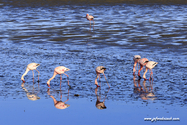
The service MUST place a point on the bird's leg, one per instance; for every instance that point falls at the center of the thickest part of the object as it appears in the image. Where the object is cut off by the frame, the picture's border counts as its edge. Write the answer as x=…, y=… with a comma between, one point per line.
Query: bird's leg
x=152, y=74
x=60, y=77
x=90, y=24
x=141, y=67
x=65, y=74
x=67, y=78
x=33, y=75
x=134, y=68
x=99, y=77
x=106, y=80
x=93, y=24
x=38, y=74
x=96, y=80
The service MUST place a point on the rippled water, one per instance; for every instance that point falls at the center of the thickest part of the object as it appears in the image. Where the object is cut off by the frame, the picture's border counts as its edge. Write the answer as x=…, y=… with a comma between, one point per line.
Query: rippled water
x=61, y=35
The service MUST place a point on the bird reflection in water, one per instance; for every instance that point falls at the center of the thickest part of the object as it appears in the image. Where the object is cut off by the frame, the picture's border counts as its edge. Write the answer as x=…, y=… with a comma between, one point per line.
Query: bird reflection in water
x=100, y=104
x=145, y=92
x=59, y=104
x=31, y=95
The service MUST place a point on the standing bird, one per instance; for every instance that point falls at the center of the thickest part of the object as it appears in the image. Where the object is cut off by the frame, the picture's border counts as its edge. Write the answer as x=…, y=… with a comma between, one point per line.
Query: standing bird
x=89, y=17
x=136, y=60
x=59, y=70
x=150, y=65
x=99, y=70
x=31, y=66
x=142, y=63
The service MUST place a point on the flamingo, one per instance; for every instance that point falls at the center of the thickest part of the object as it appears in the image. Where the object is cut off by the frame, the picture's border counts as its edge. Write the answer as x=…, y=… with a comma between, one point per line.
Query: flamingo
x=150, y=65
x=90, y=17
x=136, y=60
x=58, y=70
x=31, y=66
x=142, y=63
x=99, y=70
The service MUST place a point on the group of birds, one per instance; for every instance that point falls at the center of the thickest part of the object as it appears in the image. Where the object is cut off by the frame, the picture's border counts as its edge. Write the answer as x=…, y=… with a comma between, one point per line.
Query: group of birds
x=99, y=70
x=143, y=62
x=61, y=70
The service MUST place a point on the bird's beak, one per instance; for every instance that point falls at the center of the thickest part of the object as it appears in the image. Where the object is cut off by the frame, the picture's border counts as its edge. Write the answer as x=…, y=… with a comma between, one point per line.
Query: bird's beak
x=67, y=69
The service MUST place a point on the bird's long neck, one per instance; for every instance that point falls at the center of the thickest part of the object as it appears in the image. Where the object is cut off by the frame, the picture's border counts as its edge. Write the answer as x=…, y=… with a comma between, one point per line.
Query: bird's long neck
x=27, y=70
x=145, y=72
x=52, y=77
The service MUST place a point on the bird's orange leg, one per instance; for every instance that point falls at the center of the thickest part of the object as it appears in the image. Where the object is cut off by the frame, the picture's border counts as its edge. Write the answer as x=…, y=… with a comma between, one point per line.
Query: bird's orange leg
x=67, y=78
x=141, y=67
x=60, y=77
x=134, y=68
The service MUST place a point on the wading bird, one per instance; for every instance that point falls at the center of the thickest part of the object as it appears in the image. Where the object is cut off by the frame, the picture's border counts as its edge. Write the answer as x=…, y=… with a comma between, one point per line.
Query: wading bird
x=150, y=65
x=59, y=70
x=31, y=66
x=90, y=18
x=99, y=70
x=142, y=63
x=136, y=60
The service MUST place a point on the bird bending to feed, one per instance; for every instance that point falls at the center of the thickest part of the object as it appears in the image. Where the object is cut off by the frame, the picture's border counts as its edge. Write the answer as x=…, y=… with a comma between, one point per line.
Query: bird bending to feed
x=31, y=66
x=150, y=65
x=58, y=70
x=99, y=70
x=136, y=60
x=142, y=63
x=89, y=17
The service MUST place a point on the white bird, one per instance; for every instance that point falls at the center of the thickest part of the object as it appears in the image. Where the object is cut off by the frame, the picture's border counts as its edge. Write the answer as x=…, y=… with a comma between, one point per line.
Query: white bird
x=31, y=66
x=99, y=70
x=150, y=65
x=58, y=70
x=90, y=17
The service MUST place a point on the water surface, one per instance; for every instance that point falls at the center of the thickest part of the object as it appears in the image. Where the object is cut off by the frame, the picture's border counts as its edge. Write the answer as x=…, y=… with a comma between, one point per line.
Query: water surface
x=55, y=35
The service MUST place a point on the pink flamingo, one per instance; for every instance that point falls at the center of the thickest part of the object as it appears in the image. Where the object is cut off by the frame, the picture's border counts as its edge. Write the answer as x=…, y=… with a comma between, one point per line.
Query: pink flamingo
x=90, y=17
x=59, y=70
x=136, y=60
x=142, y=63
x=31, y=66
x=99, y=70
x=150, y=65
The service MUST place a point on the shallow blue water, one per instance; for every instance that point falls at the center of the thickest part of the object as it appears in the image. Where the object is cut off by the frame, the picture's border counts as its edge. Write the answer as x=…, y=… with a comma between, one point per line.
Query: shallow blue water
x=60, y=35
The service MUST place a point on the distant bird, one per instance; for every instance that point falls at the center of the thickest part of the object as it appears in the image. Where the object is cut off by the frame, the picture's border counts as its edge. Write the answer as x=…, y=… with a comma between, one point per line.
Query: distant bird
x=89, y=17
x=150, y=65
x=31, y=66
x=136, y=60
x=58, y=70
x=142, y=63
x=99, y=70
